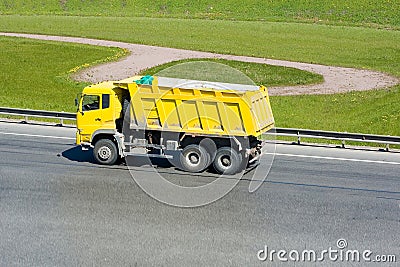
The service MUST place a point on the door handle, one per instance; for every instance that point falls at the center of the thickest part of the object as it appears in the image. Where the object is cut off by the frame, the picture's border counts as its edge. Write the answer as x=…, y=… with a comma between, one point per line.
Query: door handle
x=97, y=119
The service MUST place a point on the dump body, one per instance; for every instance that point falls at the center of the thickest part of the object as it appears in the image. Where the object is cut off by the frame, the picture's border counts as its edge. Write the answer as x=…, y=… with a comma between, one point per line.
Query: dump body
x=200, y=108
x=198, y=123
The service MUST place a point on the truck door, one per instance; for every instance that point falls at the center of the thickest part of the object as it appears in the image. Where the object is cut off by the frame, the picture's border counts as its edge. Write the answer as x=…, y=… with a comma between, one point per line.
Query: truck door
x=89, y=117
x=96, y=111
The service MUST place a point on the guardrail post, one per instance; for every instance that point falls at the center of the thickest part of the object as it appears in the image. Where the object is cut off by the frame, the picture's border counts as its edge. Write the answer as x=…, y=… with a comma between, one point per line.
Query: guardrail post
x=343, y=144
x=387, y=147
x=61, y=121
x=25, y=119
x=298, y=138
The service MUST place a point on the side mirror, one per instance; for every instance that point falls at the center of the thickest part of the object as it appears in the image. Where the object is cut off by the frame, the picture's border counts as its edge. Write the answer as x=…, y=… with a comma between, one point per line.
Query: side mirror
x=77, y=102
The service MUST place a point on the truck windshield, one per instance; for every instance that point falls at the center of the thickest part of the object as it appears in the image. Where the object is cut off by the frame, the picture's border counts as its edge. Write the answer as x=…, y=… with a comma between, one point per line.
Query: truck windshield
x=90, y=102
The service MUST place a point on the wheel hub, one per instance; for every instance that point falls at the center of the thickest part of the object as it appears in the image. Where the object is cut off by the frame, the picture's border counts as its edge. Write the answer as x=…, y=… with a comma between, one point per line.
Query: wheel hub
x=226, y=161
x=194, y=158
x=104, y=153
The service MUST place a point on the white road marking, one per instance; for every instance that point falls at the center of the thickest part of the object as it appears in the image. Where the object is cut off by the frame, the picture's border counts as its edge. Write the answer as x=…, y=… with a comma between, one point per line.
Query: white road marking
x=333, y=158
x=37, y=135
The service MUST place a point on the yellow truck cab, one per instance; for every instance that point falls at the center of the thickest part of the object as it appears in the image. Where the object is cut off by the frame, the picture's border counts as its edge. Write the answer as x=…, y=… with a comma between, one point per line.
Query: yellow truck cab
x=195, y=123
x=98, y=112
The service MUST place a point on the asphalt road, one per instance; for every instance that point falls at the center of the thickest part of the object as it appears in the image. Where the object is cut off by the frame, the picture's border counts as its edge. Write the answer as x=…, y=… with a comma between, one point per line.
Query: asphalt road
x=57, y=208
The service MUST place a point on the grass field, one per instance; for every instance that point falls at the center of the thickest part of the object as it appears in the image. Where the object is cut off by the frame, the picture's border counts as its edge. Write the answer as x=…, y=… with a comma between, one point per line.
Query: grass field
x=34, y=74
x=376, y=111
x=377, y=47
x=361, y=12
x=329, y=45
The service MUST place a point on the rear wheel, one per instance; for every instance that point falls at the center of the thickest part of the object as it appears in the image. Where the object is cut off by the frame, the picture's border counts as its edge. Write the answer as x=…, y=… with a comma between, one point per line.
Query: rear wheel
x=105, y=152
x=227, y=161
x=194, y=158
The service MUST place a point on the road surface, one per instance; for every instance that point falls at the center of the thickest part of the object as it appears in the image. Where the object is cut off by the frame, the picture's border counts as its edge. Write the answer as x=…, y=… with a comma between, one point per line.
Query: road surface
x=57, y=208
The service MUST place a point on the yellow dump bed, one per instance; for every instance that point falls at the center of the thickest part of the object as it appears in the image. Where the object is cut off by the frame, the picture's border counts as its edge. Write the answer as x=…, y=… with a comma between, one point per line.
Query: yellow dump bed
x=199, y=107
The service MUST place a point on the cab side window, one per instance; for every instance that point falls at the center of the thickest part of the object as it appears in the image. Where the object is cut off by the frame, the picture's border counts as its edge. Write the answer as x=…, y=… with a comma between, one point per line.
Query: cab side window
x=90, y=102
x=105, y=101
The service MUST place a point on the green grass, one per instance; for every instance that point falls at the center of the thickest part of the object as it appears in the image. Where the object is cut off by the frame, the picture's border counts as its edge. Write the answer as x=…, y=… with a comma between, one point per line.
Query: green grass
x=329, y=45
x=375, y=111
x=235, y=72
x=34, y=74
x=356, y=12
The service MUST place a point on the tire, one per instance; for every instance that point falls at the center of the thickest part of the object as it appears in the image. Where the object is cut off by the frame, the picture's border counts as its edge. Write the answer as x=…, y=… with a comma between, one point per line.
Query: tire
x=194, y=158
x=227, y=161
x=105, y=152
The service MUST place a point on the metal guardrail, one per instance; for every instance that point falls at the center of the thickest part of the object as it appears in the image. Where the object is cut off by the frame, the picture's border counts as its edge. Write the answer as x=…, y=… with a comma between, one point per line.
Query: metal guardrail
x=288, y=132
x=27, y=113
x=344, y=137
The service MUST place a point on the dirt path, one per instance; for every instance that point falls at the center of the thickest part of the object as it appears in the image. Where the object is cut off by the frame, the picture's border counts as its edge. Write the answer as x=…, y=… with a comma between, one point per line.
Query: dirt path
x=337, y=79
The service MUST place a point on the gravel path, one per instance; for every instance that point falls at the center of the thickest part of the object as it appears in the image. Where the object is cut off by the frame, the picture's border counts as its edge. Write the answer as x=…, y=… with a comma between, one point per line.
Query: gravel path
x=337, y=79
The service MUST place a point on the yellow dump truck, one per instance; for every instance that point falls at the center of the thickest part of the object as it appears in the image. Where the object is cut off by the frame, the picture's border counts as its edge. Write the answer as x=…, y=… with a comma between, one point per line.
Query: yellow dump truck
x=195, y=124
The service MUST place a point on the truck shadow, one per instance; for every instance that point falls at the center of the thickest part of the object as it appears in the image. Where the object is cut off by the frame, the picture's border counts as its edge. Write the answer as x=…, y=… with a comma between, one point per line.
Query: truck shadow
x=137, y=161
x=76, y=154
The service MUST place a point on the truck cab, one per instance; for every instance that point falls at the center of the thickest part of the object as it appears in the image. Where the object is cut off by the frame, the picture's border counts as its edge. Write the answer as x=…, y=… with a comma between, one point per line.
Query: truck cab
x=99, y=116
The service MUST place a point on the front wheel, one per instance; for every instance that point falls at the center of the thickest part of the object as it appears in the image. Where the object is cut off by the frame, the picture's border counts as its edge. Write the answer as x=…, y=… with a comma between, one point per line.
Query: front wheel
x=105, y=152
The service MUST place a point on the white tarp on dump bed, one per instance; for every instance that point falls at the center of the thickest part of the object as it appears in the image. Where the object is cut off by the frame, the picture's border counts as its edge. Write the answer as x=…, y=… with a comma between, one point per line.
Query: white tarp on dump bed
x=194, y=84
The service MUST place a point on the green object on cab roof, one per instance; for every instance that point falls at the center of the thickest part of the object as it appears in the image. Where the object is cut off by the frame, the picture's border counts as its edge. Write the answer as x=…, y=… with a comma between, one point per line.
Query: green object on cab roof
x=148, y=80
